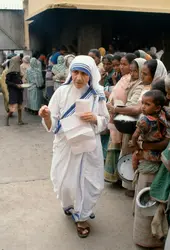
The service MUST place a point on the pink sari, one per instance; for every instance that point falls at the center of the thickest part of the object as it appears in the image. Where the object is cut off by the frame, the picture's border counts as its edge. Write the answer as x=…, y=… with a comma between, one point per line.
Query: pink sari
x=119, y=93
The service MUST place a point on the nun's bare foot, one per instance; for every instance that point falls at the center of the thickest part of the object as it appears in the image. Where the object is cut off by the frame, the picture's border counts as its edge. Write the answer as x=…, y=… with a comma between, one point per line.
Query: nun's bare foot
x=83, y=229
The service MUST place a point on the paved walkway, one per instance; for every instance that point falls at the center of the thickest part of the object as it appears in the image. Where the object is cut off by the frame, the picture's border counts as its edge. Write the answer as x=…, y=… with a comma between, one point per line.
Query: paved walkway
x=30, y=215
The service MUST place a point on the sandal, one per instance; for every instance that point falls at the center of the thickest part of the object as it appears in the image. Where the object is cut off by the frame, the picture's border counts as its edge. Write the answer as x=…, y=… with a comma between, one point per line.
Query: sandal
x=80, y=231
x=68, y=213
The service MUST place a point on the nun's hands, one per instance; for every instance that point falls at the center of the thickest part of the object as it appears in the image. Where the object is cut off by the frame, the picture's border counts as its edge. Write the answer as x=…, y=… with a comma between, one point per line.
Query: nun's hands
x=44, y=112
x=89, y=117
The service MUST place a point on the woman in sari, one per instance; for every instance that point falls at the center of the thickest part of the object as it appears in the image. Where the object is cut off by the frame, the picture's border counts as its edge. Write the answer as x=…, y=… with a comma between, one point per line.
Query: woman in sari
x=60, y=72
x=151, y=72
x=119, y=94
x=35, y=79
x=95, y=54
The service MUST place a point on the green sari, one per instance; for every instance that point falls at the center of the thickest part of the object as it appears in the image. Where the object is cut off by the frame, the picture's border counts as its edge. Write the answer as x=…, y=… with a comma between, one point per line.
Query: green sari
x=160, y=188
x=113, y=152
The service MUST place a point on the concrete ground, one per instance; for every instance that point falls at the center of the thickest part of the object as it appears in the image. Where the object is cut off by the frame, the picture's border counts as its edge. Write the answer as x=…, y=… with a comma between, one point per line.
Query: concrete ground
x=30, y=215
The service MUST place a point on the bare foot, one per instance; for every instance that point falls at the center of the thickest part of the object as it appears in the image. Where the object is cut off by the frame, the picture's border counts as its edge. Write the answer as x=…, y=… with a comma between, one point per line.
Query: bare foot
x=83, y=229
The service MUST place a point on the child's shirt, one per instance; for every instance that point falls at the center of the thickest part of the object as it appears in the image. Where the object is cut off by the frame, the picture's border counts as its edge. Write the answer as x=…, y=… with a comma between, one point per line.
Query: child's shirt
x=152, y=128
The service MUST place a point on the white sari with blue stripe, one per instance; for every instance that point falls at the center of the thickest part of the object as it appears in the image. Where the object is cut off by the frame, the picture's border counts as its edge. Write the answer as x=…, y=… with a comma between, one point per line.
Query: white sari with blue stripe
x=77, y=179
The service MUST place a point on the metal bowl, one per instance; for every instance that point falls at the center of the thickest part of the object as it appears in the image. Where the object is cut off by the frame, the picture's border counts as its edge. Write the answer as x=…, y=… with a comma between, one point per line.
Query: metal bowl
x=146, y=206
x=125, y=126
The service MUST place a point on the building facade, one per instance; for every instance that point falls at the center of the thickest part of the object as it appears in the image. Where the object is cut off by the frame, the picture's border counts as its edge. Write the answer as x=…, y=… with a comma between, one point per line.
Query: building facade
x=127, y=25
x=11, y=26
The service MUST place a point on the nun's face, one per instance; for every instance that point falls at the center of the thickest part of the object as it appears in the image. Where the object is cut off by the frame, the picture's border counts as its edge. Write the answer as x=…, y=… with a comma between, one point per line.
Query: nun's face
x=80, y=79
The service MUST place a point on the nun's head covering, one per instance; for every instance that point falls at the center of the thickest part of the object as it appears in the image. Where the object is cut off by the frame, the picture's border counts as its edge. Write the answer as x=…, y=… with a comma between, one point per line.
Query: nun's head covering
x=87, y=65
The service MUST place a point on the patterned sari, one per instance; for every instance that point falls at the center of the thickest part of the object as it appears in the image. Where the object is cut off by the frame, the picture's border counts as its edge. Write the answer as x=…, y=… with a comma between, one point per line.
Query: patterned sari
x=119, y=93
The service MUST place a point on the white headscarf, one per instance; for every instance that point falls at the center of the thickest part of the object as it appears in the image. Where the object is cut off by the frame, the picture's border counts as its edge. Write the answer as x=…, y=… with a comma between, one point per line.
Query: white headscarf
x=87, y=64
x=68, y=60
x=161, y=71
x=140, y=62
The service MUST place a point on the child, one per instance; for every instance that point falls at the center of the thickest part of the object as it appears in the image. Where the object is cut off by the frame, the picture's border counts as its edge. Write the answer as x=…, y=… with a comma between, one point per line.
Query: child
x=150, y=127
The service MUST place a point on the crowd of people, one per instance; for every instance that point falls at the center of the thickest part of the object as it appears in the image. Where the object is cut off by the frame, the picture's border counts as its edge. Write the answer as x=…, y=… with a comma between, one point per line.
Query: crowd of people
x=132, y=84
x=28, y=82
x=88, y=146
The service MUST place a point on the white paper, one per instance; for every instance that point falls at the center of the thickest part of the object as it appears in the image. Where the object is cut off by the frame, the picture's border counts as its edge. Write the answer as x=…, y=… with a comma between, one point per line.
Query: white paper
x=79, y=134
x=82, y=106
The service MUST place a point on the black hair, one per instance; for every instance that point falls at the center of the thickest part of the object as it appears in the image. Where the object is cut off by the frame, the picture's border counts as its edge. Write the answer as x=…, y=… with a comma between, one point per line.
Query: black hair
x=96, y=52
x=137, y=53
x=21, y=55
x=159, y=85
x=108, y=57
x=157, y=96
x=117, y=57
x=130, y=57
x=152, y=65
x=63, y=47
x=36, y=54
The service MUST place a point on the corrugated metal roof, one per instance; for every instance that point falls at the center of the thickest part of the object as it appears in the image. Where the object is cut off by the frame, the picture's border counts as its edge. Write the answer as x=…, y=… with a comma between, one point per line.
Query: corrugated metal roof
x=11, y=5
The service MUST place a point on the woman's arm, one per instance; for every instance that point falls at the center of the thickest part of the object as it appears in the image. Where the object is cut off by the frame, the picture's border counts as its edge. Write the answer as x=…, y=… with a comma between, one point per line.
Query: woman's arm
x=133, y=106
x=131, y=110
x=157, y=146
